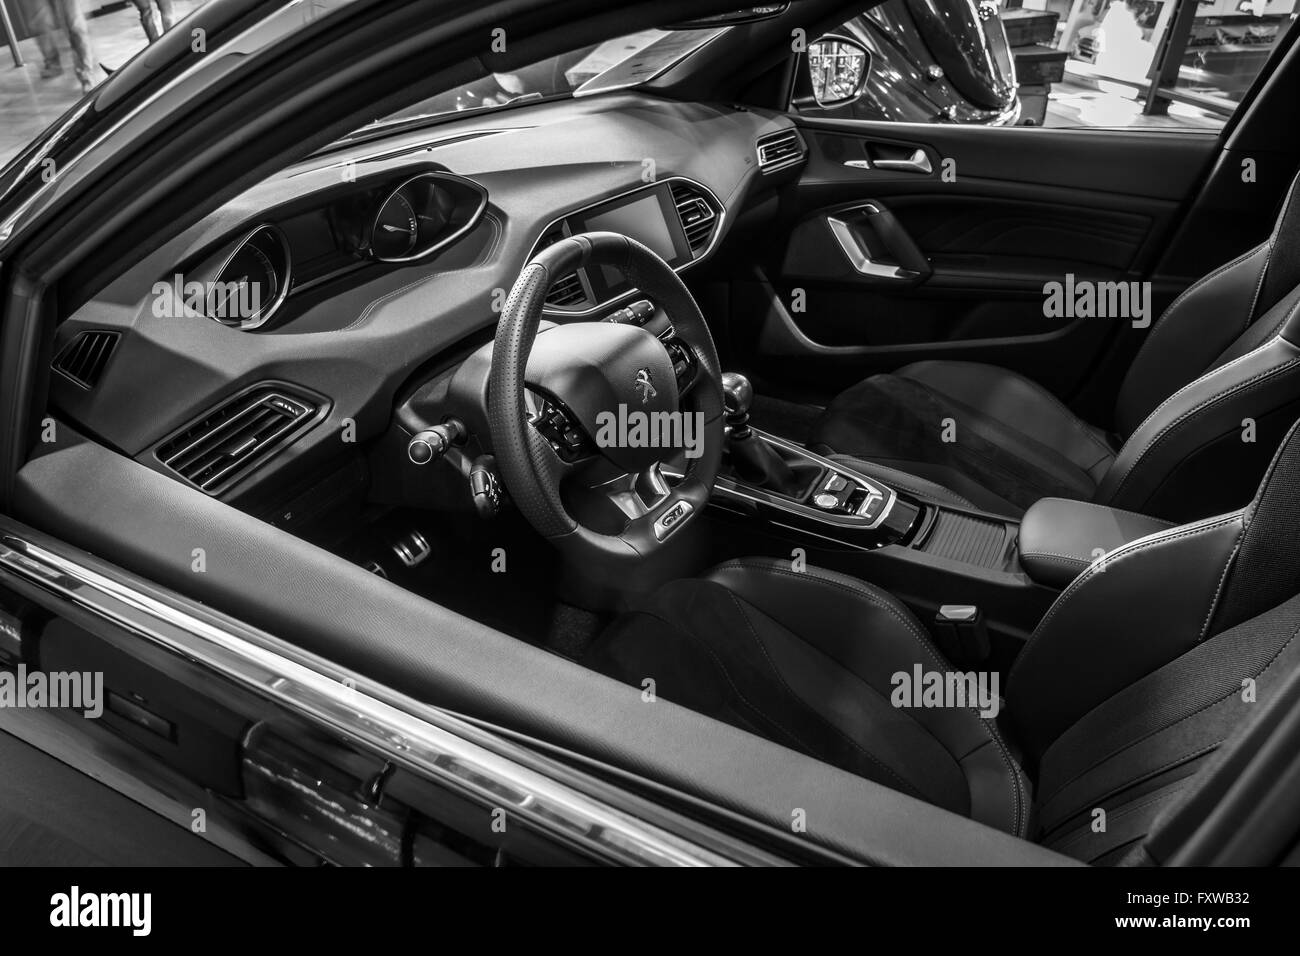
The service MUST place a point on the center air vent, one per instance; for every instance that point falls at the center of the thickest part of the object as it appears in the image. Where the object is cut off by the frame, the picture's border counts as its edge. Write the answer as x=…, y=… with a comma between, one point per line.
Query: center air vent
x=83, y=359
x=699, y=218
x=224, y=446
x=567, y=291
x=779, y=150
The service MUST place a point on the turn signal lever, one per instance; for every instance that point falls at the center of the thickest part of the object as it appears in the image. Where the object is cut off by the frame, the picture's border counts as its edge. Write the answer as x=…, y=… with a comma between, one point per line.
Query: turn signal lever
x=754, y=459
x=438, y=442
x=484, y=487
x=433, y=443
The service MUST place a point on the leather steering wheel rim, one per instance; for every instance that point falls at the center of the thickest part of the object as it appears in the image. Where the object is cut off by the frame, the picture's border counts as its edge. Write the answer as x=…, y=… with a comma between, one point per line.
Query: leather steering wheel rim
x=530, y=467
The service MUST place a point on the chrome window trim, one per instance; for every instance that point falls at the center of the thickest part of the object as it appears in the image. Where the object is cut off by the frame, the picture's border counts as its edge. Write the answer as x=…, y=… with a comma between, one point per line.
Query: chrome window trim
x=347, y=703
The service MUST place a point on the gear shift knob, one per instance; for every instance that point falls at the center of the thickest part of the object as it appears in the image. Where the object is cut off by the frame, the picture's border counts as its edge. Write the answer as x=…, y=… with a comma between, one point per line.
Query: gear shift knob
x=737, y=395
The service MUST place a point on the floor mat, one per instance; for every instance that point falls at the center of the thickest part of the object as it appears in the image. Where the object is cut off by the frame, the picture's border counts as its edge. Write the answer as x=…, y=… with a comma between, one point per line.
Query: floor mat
x=573, y=630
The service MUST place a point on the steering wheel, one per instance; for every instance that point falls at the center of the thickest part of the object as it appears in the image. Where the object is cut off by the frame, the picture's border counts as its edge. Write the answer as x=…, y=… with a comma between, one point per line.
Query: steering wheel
x=553, y=393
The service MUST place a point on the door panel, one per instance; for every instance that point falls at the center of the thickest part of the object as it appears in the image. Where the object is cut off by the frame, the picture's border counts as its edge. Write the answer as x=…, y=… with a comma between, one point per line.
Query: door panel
x=996, y=213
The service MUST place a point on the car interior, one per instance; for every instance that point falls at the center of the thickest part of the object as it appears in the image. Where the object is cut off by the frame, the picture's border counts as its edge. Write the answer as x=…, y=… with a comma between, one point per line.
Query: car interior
x=904, y=463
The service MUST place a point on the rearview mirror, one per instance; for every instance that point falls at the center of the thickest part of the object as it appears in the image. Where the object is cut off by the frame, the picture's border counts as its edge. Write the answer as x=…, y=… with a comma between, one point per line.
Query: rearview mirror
x=837, y=68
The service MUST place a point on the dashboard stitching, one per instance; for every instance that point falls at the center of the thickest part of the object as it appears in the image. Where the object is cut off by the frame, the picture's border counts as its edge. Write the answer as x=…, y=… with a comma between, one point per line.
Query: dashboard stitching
x=389, y=295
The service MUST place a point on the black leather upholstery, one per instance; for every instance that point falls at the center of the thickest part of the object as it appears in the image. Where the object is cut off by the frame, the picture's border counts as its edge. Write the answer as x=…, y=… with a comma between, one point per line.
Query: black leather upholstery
x=1129, y=684
x=989, y=435
x=1141, y=607
x=1060, y=538
x=1226, y=350
x=805, y=658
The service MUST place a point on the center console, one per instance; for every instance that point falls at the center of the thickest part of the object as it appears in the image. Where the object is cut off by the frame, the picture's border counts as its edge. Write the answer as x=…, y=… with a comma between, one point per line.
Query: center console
x=939, y=559
x=958, y=568
x=981, y=582
x=830, y=498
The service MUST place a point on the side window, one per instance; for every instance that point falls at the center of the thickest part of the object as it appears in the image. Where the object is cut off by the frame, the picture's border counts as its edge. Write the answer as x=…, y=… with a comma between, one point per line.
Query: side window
x=1099, y=63
x=63, y=49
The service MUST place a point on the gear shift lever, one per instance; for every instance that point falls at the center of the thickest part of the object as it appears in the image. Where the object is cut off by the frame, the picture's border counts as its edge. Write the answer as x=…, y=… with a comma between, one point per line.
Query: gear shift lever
x=737, y=396
x=753, y=459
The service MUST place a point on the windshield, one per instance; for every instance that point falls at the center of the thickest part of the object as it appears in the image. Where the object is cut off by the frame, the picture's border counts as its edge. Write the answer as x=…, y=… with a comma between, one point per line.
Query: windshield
x=597, y=68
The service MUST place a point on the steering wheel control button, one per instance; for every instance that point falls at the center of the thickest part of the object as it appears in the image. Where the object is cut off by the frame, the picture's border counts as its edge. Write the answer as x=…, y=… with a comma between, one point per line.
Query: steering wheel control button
x=555, y=425
x=826, y=501
x=672, y=519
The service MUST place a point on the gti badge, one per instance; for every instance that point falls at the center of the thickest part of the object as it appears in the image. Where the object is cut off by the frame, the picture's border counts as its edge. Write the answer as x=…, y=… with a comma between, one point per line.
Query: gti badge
x=646, y=384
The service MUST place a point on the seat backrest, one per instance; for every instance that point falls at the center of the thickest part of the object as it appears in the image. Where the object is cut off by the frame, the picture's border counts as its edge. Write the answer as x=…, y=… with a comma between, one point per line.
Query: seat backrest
x=1152, y=658
x=1215, y=385
x=1215, y=320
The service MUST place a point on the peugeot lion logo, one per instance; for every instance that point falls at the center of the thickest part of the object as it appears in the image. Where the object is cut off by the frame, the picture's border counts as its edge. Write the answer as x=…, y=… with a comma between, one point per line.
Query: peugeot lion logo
x=646, y=384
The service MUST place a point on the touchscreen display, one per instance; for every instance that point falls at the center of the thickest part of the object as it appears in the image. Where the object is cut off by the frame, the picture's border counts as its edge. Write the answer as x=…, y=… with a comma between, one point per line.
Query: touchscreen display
x=643, y=220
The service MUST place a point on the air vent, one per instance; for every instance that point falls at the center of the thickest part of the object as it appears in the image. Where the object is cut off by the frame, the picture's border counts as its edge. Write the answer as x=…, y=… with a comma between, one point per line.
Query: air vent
x=83, y=359
x=223, y=447
x=567, y=291
x=697, y=214
x=779, y=150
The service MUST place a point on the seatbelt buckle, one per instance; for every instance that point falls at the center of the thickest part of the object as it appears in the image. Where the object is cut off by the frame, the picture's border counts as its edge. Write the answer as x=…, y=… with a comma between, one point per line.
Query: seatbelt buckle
x=962, y=633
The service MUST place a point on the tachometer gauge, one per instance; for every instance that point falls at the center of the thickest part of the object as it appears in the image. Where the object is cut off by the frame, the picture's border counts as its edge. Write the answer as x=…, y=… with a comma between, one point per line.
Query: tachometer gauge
x=396, y=229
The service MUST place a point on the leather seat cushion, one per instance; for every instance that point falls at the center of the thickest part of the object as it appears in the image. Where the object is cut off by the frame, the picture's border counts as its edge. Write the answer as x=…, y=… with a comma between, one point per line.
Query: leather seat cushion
x=806, y=658
x=1012, y=441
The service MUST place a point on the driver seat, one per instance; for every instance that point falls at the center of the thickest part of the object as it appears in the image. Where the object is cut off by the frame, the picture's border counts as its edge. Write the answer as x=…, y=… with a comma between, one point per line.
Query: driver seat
x=1126, y=688
x=1226, y=350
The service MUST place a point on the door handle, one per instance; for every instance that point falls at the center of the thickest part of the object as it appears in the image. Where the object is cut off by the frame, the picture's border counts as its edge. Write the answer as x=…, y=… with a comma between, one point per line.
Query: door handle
x=856, y=229
x=860, y=259
x=918, y=162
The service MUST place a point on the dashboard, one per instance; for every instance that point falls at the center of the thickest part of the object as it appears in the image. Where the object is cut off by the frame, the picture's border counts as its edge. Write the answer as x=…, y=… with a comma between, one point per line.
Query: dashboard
x=266, y=345
x=379, y=219
x=677, y=218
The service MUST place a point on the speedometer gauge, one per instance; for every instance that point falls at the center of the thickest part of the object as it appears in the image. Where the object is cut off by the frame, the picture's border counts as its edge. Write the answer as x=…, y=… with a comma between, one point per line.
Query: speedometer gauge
x=421, y=216
x=396, y=228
